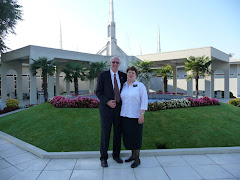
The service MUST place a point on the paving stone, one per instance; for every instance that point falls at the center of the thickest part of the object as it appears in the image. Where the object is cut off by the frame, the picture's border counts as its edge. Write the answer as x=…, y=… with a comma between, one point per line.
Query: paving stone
x=223, y=158
x=156, y=173
x=11, y=152
x=55, y=175
x=181, y=172
x=212, y=172
x=198, y=159
x=4, y=164
x=39, y=166
x=21, y=158
x=118, y=174
x=93, y=163
x=234, y=169
x=61, y=164
x=172, y=161
x=25, y=175
x=7, y=146
x=8, y=172
x=95, y=174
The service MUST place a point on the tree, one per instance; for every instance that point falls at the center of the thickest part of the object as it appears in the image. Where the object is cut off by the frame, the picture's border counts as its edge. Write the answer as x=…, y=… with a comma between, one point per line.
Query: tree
x=10, y=13
x=196, y=67
x=144, y=71
x=164, y=72
x=47, y=67
x=73, y=71
x=95, y=68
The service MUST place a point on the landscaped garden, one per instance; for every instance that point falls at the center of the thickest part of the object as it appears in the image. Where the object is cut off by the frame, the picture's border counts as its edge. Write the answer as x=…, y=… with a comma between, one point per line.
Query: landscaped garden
x=78, y=129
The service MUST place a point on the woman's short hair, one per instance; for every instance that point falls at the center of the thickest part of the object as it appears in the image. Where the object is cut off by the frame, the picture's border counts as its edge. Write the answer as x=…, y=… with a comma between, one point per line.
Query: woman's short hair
x=132, y=68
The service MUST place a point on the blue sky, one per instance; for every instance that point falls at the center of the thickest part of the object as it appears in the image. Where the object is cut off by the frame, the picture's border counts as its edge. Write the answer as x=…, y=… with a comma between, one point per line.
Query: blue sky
x=184, y=24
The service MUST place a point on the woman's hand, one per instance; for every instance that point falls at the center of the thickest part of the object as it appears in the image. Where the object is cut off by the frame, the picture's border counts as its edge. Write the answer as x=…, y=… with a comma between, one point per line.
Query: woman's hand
x=141, y=119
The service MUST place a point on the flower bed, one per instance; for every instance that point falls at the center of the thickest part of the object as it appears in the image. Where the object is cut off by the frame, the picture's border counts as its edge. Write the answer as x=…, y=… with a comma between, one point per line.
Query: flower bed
x=79, y=102
x=8, y=109
x=204, y=101
x=182, y=103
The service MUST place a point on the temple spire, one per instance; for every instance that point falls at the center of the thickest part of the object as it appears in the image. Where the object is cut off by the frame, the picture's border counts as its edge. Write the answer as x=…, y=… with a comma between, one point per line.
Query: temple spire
x=60, y=35
x=159, y=46
x=111, y=12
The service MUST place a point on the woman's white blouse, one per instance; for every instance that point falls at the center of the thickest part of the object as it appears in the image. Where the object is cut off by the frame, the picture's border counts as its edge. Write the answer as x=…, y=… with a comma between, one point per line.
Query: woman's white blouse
x=134, y=99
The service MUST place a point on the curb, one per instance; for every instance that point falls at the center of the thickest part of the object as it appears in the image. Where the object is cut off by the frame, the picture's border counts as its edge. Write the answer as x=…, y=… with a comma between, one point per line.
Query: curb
x=125, y=153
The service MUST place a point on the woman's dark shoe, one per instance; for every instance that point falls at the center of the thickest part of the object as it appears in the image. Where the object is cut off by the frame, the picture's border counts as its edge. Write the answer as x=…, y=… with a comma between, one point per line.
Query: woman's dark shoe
x=130, y=159
x=136, y=163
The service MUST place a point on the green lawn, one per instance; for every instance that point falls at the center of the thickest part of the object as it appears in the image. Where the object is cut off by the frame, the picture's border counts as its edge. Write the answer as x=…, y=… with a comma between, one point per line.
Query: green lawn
x=69, y=129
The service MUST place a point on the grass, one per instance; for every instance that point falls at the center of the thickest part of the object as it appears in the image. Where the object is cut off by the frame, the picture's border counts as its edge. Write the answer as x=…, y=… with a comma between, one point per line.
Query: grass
x=69, y=129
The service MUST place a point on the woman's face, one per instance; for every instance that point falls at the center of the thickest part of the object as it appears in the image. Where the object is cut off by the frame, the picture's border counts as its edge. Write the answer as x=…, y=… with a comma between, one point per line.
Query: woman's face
x=131, y=75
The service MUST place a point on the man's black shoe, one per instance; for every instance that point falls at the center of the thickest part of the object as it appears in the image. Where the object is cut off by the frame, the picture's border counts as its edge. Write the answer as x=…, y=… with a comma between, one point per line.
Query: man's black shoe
x=130, y=159
x=118, y=160
x=104, y=163
x=136, y=164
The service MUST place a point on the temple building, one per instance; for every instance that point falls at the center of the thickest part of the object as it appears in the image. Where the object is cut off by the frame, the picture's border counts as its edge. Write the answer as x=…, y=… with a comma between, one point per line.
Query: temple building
x=16, y=78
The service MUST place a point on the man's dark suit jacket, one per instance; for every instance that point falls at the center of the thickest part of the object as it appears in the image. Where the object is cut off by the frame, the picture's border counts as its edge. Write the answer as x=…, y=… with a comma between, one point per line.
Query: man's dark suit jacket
x=104, y=90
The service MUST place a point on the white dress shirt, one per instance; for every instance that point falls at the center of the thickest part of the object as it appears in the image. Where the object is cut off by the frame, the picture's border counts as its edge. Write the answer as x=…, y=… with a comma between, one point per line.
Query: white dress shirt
x=117, y=77
x=134, y=99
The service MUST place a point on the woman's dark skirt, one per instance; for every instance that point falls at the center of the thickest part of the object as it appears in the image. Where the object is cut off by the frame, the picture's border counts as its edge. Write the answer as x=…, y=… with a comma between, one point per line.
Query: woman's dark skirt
x=132, y=133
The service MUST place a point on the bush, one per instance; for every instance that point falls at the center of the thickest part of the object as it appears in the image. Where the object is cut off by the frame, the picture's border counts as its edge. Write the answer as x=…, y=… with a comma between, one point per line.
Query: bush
x=155, y=106
x=174, y=103
x=12, y=103
x=79, y=102
x=8, y=109
x=234, y=102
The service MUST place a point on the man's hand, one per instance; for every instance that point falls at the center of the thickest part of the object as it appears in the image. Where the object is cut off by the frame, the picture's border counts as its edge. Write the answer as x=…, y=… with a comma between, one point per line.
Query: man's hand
x=111, y=103
x=141, y=119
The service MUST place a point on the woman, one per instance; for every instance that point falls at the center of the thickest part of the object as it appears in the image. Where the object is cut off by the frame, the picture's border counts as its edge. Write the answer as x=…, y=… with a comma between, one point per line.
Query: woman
x=134, y=103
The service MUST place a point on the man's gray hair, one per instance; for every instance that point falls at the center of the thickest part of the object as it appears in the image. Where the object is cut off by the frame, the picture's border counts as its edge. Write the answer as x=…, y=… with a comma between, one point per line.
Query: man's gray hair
x=114, y=57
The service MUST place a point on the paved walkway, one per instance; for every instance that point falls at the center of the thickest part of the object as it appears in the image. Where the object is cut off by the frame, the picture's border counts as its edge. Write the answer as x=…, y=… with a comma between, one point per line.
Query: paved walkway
x=18, y=164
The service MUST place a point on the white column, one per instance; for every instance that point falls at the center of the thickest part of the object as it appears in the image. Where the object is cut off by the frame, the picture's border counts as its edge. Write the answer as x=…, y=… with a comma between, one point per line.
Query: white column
x=174, y=68
x=50, y=86
x=238, y=80
x=91, y=85
x=190, y=87
x=19, y=82
x=226, y=80
x=4, y=83
x=212, y=86
x=68, y=87
x=33, y=86
x=208, y=86
x=57, y=84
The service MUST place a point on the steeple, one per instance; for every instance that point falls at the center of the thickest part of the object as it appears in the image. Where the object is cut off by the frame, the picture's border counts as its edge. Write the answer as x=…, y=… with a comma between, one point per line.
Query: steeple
x=111, y=23
x=60, y=35
x=111, y=48
x=111, y=12
x=159, y=47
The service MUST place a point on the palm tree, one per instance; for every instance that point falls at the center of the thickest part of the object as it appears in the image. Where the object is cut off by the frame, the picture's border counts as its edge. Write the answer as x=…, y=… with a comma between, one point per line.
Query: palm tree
x=47, y=68
x=164, y=72
x=196, y=67
x=73, y=71
x=95, y=68
x=144, y=71
x=93, y=71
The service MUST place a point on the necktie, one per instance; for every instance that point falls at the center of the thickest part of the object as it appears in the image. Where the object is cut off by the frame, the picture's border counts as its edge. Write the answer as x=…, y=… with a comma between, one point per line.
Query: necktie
x=116, y=89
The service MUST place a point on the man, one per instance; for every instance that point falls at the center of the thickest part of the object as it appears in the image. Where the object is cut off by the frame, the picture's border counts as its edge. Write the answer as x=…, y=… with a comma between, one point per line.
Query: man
x=108, y=91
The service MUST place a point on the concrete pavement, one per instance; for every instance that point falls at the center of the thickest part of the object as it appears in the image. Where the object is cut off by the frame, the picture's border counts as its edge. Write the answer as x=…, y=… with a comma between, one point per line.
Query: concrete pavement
x=19, y=164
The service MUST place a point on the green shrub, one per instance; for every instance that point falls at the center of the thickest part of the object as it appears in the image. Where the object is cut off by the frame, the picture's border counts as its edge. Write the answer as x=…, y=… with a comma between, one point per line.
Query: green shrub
x=234, y=102
x=12, y=103
x=155, y=106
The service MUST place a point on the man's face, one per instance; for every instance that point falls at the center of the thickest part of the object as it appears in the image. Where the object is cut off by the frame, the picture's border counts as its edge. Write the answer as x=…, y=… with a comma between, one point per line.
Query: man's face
x=115, y=63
